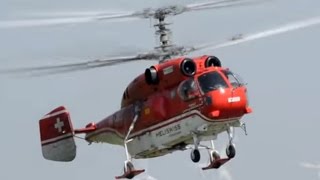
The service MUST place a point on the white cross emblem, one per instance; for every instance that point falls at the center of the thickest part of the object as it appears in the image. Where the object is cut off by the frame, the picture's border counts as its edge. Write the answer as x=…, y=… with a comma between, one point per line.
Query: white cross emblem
x=58, y=125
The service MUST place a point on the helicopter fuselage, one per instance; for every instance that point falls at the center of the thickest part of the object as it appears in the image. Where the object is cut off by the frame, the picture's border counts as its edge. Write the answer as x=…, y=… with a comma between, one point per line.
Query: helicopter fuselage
x=176, y=100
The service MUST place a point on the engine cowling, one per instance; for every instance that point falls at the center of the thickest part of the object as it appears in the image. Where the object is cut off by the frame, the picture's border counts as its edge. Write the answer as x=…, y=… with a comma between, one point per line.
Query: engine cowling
x=151, y=76
x=188, y=67
x=212, y=61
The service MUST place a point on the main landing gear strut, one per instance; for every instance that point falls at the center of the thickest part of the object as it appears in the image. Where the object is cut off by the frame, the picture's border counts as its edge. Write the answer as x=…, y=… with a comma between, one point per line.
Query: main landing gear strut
x=129, y=170
x=215, y=160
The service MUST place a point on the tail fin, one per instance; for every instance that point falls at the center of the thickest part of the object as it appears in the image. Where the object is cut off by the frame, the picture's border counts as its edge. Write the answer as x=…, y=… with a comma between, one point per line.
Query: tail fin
x=57, y=134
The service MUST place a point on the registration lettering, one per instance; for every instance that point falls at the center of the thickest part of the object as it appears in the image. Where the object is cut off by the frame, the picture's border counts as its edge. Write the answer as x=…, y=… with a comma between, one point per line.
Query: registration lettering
x=168, y=130
x=234, y=99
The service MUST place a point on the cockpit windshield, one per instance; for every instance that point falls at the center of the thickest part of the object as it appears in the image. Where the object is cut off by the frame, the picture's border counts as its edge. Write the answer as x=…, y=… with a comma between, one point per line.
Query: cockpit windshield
x=234, y=79
x=211, y=81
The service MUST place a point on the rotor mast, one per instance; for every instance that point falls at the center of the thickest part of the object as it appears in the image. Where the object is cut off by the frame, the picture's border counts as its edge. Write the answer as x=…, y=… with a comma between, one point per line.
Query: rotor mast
x=164, y=34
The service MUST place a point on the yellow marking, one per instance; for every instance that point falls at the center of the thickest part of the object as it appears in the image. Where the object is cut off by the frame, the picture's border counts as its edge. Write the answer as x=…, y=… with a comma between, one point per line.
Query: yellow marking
x=147, y=111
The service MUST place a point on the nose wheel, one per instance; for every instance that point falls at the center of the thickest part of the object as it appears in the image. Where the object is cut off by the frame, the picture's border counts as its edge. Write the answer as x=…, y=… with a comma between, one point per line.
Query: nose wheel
x=231, y=151
x=195, y=155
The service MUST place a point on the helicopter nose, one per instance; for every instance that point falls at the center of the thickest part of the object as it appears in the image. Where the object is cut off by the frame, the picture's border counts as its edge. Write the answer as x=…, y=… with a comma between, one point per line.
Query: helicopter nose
x=227, y=103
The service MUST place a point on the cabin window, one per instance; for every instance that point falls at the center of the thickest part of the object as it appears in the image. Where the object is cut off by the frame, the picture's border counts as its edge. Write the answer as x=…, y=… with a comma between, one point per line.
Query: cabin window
x=188, y=89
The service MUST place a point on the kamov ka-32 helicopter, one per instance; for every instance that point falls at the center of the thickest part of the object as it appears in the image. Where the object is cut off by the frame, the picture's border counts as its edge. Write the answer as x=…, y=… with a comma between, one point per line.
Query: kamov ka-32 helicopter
x=172, y=106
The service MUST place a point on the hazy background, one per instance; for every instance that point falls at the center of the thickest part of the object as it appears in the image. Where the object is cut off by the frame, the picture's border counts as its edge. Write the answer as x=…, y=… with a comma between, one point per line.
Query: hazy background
x=282, y=74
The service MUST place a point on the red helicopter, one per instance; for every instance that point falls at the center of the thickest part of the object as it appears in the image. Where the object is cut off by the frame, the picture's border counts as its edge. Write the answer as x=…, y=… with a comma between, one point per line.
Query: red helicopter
x=174, y=105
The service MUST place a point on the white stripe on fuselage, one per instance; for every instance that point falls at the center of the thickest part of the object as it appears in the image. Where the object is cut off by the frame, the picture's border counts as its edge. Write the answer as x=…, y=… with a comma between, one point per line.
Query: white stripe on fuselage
x=164, y=123
x=181, y=117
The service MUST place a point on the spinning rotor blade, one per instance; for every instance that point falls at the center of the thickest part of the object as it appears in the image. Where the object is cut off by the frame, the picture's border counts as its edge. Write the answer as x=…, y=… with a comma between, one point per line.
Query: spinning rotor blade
x=210, y=3
x=75, y=13
x=85, y=17
x=176, y=9
x=263, y=34
x=75, y=66
x=310, y=165
x=66, y=20
x=219, y=4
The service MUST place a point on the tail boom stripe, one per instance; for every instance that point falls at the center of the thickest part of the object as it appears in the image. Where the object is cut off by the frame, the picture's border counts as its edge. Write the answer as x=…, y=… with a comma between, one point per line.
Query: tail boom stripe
x=56, y=139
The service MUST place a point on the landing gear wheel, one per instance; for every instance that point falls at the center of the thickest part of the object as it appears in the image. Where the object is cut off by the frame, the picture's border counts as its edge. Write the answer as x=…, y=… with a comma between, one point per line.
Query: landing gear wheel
x=129, y=166
x=215, y=155
x=128, y=169
x=195, y=155
x=231, y=151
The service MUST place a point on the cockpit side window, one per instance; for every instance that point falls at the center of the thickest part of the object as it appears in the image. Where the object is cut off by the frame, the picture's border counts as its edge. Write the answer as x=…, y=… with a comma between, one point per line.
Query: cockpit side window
x=188, y=89
x=234, y=79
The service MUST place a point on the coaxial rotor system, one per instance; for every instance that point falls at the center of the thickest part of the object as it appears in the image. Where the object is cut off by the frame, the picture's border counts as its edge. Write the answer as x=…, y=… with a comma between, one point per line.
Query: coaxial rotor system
x=166, y=50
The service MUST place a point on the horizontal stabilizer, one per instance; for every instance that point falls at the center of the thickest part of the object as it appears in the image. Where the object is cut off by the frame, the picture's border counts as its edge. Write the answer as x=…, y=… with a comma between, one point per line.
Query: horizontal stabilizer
x=56, y=135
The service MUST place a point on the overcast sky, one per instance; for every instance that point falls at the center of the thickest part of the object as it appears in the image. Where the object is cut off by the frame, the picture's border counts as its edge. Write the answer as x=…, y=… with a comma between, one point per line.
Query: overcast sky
x=281, y=71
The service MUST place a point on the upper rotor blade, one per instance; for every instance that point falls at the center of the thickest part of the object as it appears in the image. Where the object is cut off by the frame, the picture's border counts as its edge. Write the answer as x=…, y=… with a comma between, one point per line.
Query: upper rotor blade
x=263, y=34
x=310, y=165
x=74, y=13
x=84, y=17
x=74, y=66
x=219, y=4
x=67, y=20
x=209, y=3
